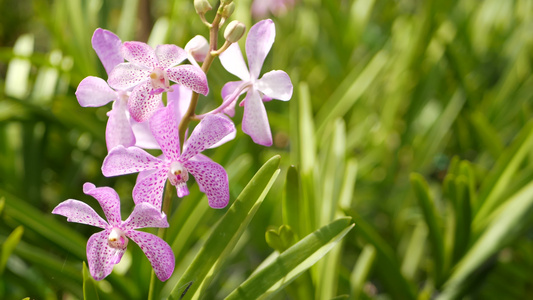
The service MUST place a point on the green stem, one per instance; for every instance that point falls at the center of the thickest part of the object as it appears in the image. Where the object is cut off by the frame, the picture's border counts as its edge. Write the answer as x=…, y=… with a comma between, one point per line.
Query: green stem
x=190, y=114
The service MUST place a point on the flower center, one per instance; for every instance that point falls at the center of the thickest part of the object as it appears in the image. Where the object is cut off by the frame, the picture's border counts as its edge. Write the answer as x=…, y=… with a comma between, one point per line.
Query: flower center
x=159, y=81
x=178, y=176
x=117, y=239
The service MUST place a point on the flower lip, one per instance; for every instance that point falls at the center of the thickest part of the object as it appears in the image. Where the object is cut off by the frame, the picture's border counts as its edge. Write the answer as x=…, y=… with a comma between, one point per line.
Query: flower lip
x=117, y=239
x=177, y=173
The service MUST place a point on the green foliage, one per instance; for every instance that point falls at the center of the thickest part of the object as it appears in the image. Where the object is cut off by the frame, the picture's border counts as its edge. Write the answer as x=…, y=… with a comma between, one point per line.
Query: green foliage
x=426, y=105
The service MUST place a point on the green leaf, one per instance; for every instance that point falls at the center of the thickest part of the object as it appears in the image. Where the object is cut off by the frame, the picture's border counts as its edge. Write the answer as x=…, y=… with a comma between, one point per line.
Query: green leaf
x=427, y=205
x=9, y=245
x=227, y=232
x=281, y=239
x=90, y=291
x=361, y=270
x=294, y=261
x=291, y=200
x=504, y=228
x=66, y=238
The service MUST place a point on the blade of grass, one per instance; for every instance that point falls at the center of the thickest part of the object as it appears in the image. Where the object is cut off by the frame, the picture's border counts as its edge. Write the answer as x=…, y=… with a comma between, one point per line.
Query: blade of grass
x=292, y=262
x=227, y=233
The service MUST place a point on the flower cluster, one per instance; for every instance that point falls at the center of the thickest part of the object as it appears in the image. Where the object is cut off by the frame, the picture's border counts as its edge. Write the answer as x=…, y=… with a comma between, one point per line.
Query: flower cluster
x=138, y=75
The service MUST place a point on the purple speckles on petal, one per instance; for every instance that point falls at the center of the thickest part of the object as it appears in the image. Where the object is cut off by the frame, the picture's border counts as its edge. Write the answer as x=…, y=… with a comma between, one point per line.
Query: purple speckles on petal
x=165, y=131
x=126, y=75
x=139, y=53
x=142, y=103
x=108, y=199
x=190, y=76
x=169, y=55
x=146, y=215
x=157, y=251
x=120, y=161
x=101, y=258
x=79, y=212
x=212, y=180
x=150, y=188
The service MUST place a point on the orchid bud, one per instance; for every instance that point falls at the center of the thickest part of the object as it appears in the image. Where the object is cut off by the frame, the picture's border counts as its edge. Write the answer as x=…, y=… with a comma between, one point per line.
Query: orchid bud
x=234, y=31
x=227, y=10
x=198, y=47
x=202, y=6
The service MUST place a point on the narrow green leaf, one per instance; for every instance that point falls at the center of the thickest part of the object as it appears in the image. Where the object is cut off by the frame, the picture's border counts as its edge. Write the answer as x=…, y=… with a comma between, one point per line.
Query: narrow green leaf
x=224, y=237
x=415, y=250
x=427, y=205
x=291, y=201
x=361, y=270
x=501, y=175
x=505, y=227
x=349, y=91
x=463, y=218
x=90, y=291
x=9, y=245
x=307, y=132
x=66, y=238
x=293, y=262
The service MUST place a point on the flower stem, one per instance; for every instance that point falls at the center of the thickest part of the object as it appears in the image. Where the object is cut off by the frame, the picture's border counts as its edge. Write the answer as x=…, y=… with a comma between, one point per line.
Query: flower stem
x=165, y=208
x=190, y=114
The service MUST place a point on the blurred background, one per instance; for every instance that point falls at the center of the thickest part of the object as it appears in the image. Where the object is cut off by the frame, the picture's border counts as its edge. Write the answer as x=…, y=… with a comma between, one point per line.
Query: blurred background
x=412, y=117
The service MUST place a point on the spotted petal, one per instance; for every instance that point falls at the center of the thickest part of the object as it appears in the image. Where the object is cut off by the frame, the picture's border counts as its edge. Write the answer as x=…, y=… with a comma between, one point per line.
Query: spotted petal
x=120, y=161
x=157, y=251
x=233, y=62
x=127, y=75
x=118, y=130
x=255, y=120
x=212, y=180
x=190, y=76
x=169, y=55
x=108, y=199
x=258, y=43
x=208, y=132
x=93, y=91
x=139, y=53
x=142, y=105
x=79, y=212
x=150, y=188
x=276, y=85
x=107, y=46
x=165, y=131
x=145, y=215
x=100, y=257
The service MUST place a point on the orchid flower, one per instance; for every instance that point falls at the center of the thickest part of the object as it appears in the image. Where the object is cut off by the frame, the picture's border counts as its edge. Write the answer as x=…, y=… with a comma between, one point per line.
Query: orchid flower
x=105, y=248
x=210, y=176
x=273, y=85
x=149, y=73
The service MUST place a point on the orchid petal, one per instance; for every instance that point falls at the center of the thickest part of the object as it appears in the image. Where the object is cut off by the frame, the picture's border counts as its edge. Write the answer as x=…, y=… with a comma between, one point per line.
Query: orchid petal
x=208, y=132
x=157, y=251
x=225, y=139
x=145, y=215
x=198, y=48
x=258, y=43
x=118, y=130
x=93, y=91
x=228, y=90
x=165, y=130
x=142, y=104
x=150, y=188
x=79, y=212
x=127, y=75
x=169, y=55
x=180, y=99
x=139, y=53
x=107, y=46
x=276, y=85
x=143, y=135
x=233, y=62
x=212, y=180
x=120, y=161
x=255, y=120
x=108, y=199
x=100, y=256
x=190, y=76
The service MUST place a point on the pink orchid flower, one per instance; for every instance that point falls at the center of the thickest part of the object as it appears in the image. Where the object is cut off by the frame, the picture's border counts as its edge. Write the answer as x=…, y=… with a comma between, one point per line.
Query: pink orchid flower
x=273, y=85
x=149, y=73
x=212, y=179
x=105, y=248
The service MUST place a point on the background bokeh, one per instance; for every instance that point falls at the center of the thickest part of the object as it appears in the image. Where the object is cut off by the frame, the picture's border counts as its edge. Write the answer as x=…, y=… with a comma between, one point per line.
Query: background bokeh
x=412, y=117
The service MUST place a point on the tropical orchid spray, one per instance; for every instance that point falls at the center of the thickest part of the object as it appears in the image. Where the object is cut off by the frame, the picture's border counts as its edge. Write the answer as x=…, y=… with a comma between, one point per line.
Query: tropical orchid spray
x=138, y=77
